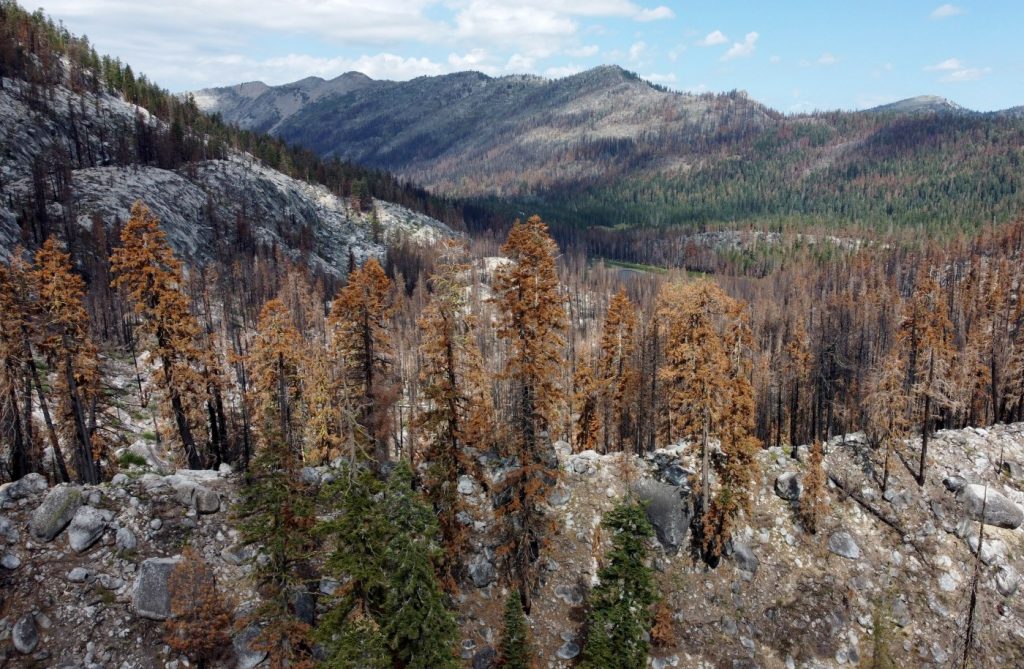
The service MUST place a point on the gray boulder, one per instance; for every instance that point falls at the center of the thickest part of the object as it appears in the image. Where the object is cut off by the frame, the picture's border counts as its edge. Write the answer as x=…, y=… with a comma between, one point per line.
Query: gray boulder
x=125, y=539
x=151, y=597
x=481, y=571
x=87, y=527
x=744, y=557
x=485, y=658
x=29, y=484
x=788, y=486
x=247, y=656
x=25, y=634
x=10, y=561
x=79, y=575
x=843, y=545
x=999, y=510
x=568, y=651
x=56, y=511
x=666, y=511
x=677, y=475
x=954, y=483
x=8, y=531
x=1007, y=580
x=200, y=498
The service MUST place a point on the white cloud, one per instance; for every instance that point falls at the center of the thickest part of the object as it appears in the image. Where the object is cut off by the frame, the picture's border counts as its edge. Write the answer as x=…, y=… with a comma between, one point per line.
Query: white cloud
x=742, y=49
x=377, y=66
x=713, y=38
x=945, y=11
x=519, y=63
x=657, y=14
x=637, y=51
x=955, y=71
x=477, y=59
x=667, y=78
x=827, y=59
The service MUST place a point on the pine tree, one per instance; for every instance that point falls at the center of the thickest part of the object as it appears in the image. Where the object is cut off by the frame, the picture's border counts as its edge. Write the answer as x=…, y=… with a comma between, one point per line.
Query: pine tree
x=421, y=632
x=145, y=267
x=63, y=330
x=358, y=534
x=924, y=339
x=618, y=378
x=276, y=510
x=359, y=322
x=532, y=320
x=620, y=616
x=814, y=501
x=886, y=401
x=515, y=650
x=705, y=377
x=201, y=614
x=588, y=396
x=457, y=418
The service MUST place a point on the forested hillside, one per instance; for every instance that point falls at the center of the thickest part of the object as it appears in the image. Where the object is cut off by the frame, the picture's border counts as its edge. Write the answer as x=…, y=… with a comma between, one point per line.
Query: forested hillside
x=605, y=148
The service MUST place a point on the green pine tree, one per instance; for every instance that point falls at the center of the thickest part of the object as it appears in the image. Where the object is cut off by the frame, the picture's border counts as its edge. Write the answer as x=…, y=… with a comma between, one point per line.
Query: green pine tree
x=421, y=631
x=275, y=513
x=350, y=631
x=514, y=651
x=620, y=606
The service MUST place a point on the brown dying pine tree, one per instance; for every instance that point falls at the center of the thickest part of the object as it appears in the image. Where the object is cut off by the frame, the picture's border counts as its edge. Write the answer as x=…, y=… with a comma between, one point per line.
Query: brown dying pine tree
x=144, y=266
x=618, y=377
x=532, y=320
x=360, y=343
x=63, y=330
x=19, y=310
x=457, y=420
x=705, y=376
x=924, y=339
x=201, y=614
x=814, y=501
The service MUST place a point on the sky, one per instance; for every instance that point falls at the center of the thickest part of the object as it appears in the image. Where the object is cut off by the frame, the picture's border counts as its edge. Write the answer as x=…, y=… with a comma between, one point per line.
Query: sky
x=795, y=56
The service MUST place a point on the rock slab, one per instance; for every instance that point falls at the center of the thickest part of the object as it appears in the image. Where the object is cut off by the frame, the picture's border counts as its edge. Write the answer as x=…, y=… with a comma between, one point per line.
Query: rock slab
x=999, y=510
x=151, y=597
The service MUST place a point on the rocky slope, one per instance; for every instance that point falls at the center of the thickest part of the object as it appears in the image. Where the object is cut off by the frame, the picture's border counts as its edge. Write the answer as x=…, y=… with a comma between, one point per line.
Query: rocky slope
x=198, y=203
x=84, y=568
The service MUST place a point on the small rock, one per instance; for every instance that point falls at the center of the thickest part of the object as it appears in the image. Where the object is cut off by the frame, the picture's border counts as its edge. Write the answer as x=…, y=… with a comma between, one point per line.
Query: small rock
x=485, y=658
x=309, y=476
x=25, y=634
x=79, y=575
x=56, y=511
x=568, y=651
x=86, y=528
x=236, y=555
x=156, y=524
x=954, y=483
x=559, y=496
x=118, y=480
x=467, y=486
x=788, y=486
x=568, y=594
x=744, y=557
x=125, y=539
x=843, y=545
x=948, y=582
x=8, y=531
x=10, y=561
x=481, y=571
x=1007, y=580
x=677, y=475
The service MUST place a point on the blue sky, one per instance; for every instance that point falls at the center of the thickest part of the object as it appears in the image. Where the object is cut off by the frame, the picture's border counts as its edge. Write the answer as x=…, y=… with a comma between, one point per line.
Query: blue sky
x=793, y=56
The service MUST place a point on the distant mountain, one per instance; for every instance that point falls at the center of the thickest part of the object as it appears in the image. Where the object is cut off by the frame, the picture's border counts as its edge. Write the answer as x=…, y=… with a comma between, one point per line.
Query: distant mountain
x=920, y=104
x=606, y=148
x=256, y=106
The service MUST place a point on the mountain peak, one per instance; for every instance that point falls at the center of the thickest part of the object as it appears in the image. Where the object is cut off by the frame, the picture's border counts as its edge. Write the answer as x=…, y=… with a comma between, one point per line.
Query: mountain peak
x=918, y=105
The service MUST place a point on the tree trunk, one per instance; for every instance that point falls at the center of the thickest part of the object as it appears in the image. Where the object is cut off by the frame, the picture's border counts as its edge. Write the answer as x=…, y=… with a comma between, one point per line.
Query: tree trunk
x=86, y=465
x=58, y=455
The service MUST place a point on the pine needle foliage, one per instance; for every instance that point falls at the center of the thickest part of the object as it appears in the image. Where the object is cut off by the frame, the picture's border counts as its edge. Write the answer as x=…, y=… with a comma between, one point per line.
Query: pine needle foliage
x=620, y=615
x=515, y=650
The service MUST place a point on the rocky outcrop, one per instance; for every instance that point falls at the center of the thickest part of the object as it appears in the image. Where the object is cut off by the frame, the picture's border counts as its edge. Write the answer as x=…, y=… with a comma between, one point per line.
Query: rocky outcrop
x=667, y=512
